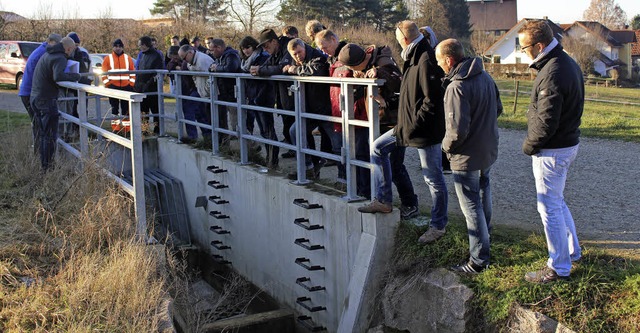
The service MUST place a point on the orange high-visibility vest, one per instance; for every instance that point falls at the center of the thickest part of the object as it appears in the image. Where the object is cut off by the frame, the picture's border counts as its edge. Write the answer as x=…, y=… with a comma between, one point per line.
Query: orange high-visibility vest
x=118, y=63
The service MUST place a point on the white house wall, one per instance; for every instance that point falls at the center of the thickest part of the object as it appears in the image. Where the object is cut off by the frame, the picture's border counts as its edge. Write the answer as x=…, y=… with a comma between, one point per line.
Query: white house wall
x=507, y=51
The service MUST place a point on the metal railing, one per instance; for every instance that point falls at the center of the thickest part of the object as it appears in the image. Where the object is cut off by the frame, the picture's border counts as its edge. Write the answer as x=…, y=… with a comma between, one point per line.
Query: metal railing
x=136, y=188
x=134, y=143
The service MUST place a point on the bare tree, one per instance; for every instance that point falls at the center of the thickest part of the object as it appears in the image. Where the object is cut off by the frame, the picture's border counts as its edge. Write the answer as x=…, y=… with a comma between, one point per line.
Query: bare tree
x=582, y=51
x=431, y=13
x=251, y=14
x=482, y=40
x=607, y=12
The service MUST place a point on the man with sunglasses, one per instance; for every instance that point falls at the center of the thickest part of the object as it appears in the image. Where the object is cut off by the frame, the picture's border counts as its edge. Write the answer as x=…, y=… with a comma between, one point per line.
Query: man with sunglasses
x=197, y=61
x=553, y=136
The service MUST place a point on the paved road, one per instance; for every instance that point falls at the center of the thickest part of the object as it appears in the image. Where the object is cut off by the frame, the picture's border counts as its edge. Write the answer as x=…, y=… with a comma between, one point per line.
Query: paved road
x=602, y=188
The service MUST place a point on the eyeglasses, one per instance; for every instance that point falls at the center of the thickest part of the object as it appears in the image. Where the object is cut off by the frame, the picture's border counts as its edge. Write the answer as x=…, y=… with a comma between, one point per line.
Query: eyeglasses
x=400, y=29
x=185, y=56
x=526, y=47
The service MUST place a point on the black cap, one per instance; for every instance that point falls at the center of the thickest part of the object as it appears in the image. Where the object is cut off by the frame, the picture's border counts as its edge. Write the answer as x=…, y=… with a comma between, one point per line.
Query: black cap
x=118, y=42
x=195, y=39
x=266, y=35
x=351, y=55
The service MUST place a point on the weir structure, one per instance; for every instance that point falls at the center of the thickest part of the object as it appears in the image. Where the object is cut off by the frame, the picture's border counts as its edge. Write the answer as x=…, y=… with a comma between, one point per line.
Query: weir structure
x=311, y=250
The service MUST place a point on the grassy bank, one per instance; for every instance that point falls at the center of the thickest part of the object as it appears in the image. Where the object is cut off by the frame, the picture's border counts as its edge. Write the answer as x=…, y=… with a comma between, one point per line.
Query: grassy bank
x=603, y=294
x=68, y=261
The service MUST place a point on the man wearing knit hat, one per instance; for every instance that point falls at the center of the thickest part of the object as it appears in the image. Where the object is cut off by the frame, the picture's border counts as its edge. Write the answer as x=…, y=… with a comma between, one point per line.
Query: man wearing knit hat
x=71, y=107
x=118, y=61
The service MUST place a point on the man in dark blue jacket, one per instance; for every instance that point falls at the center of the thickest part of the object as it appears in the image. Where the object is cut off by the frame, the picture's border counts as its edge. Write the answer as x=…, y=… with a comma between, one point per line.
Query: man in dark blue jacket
x=25, y=87
x=553, y=136
x=44, y=94
x=227, y=60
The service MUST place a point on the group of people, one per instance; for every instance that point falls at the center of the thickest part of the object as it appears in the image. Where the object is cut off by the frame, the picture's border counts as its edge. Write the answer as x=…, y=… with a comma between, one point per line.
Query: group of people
x=440, y=101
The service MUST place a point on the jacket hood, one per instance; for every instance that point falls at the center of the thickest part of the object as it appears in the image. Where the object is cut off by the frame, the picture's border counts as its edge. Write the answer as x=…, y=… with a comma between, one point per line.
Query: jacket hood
x=380, y=56
x=57, y=48
x=312, y=53
x=468, y=67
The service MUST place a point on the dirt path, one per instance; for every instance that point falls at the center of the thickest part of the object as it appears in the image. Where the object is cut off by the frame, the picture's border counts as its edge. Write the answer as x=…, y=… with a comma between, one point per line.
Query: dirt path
x=602, y=188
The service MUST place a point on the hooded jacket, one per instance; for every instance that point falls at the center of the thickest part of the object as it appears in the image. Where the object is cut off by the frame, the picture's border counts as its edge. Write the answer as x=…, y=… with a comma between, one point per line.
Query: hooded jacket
x=50, y=70
x=258, y=92
x=273, y=66
x=229, y=62
x=557, y=102
x=472, y=106
x=386, y=69
x=420, y=108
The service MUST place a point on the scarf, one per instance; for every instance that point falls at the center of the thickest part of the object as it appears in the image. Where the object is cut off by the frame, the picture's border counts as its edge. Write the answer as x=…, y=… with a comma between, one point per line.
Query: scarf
x=406, y=52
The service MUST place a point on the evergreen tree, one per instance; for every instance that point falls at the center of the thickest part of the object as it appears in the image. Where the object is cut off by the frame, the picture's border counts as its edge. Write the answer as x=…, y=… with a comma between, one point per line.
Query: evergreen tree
x=201, y=10
x=457, y=12
x=292, y=10
x=391, y=12
x=635, y=23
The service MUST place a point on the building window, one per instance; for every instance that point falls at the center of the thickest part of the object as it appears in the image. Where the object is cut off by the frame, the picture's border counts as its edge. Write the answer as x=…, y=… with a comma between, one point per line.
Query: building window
x=518, y=60
x=518, y=47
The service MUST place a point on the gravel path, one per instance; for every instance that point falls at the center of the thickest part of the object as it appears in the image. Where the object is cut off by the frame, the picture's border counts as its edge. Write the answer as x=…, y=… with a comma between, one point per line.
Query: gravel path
x=602, y=187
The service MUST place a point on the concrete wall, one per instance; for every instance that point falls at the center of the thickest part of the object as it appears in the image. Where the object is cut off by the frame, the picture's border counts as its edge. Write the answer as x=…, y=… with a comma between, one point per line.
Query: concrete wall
x=356, y=248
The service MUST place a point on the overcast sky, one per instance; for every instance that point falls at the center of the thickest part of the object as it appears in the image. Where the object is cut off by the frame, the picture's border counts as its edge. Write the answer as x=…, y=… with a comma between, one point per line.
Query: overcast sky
x=559, y=11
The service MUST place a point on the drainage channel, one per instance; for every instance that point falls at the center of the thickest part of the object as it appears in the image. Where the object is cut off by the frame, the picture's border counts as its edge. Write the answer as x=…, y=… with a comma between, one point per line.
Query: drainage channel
x=209, y=297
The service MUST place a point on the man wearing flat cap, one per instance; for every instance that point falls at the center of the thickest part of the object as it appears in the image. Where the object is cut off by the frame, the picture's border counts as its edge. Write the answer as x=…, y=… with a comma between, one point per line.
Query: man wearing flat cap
x=279, y=58
x=118, y=61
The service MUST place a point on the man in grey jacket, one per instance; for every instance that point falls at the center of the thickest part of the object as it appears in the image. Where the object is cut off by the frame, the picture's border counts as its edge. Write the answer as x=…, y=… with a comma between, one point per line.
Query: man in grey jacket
x=200, y=62
x=471, y=106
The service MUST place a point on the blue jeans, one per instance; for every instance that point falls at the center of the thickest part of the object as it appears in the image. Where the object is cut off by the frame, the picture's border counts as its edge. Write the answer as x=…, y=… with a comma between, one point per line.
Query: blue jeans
x=388, y=167
x=327, y=126
x=193, y=110
x=267, y=131
x=550, y=168
x=473, y=189
x=46, y=118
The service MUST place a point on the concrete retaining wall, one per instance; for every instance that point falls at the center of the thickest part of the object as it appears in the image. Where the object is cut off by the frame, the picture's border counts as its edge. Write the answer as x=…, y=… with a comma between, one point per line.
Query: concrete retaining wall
x=355, y=247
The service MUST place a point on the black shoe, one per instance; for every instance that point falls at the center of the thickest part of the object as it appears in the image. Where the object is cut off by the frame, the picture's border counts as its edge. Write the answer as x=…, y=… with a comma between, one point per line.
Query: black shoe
x=469, y=268
x=289, y=154
x=156, y=130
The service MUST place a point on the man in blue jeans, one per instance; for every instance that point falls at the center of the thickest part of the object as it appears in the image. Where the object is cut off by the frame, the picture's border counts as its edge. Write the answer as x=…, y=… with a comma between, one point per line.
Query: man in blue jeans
x=472, y=105
x=553, y=135
x=420, y=125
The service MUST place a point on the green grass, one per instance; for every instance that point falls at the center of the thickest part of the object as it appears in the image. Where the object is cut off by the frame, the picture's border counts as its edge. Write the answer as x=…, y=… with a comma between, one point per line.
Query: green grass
x=603, y=294
x=600, y=120
x=12, y=120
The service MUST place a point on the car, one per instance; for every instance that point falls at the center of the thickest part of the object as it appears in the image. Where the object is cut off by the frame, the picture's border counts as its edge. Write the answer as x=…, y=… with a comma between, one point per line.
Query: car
x=13, y=58
x=96, y=63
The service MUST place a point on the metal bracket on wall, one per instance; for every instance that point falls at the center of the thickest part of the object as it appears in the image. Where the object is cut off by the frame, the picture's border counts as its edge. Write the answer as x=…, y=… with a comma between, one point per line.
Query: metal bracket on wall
x=303, y=262
x=215, y=169
x=216, y=184
x=301, y=223
x=218, y=215
x=218, y=230
x=305, y=204
x=216, y=199
x=301, y=301
x=302, y=242
x=300, y=281
x=218, y=245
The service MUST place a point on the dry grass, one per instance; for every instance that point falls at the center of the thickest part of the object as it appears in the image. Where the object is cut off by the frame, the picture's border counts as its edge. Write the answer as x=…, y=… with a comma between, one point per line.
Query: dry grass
x=68, y=262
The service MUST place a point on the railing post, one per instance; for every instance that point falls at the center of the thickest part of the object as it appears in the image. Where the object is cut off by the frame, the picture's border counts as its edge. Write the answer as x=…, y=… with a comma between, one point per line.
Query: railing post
x=160, y=82
x=179, y=111
x=301, y=139
x=82, y=116
x=214, y=111
x=374, y=124
x=137, y=171
x=242, y=126
x=348, y=135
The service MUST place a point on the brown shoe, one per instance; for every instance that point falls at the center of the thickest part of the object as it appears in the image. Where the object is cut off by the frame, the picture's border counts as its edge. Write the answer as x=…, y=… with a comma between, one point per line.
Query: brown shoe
x=544, y=275
x=376, y=207
x=432, y=235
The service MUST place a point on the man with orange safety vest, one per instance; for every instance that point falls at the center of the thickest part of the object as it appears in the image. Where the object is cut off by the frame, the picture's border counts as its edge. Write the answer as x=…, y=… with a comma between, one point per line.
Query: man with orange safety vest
x=118, y=61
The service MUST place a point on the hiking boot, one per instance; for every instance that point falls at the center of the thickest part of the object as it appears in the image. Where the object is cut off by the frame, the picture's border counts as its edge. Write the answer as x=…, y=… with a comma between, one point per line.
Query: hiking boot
x=289, y=154
x=469, y=268
x=432, y=235
x=340, y=186
x=545, y=275
x=376, y=206
x=408, y=212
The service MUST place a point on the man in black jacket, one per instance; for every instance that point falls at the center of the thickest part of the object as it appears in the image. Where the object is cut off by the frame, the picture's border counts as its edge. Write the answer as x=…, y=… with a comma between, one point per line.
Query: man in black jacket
x=227, y=60
x=420, y=125
x=44, y=93
x=553, y=136
x=279, y=57
x=146, y=82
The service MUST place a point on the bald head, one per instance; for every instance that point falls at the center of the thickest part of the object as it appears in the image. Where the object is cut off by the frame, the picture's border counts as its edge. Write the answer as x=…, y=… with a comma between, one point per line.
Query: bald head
x=449, y=53
x=69, y=45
